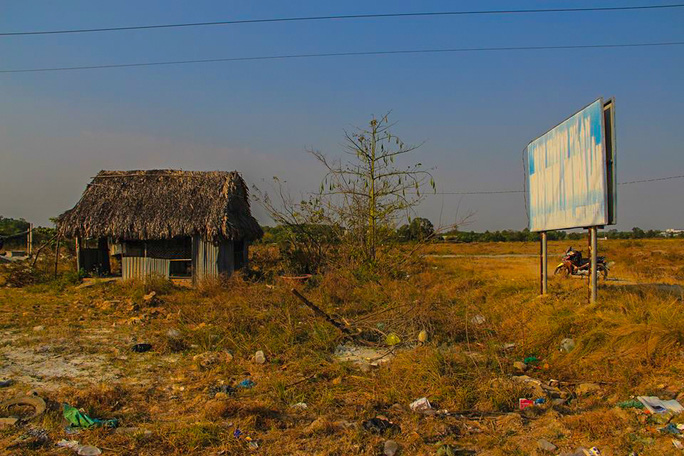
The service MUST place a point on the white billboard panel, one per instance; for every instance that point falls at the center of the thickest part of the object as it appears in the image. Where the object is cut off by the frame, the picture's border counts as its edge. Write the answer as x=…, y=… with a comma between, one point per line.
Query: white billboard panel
x=566, y=170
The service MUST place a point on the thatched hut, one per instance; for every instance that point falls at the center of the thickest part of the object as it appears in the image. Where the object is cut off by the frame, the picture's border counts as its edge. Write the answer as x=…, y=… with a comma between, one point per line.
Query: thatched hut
x=178, y=224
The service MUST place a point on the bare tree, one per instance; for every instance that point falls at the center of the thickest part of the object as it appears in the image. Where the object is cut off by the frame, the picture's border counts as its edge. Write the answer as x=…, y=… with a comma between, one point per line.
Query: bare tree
x=367, y=192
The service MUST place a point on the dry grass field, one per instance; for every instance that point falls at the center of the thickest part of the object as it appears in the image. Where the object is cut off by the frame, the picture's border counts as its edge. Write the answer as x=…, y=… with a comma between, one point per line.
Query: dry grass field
x=481, y=315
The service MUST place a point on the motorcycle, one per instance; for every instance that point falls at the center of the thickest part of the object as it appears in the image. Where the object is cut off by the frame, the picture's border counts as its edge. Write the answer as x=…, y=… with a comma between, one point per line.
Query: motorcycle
x=572, y=263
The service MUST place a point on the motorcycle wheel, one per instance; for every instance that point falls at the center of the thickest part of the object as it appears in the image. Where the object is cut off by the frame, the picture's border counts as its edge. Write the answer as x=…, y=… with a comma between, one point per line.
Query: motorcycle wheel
x=562, y=271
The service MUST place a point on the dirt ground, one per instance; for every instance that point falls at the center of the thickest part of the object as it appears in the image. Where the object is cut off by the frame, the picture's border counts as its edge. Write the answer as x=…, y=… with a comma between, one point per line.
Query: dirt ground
x=480, y=316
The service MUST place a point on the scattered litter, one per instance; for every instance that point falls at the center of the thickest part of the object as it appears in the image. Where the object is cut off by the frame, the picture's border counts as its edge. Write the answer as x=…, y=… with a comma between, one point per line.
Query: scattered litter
x=141, y=348
x=545, y=445
x=78, y=419
x=32, y=438
x=89, y=450
x=246, y=383
x=422, y=338
x=539, y=401
x=677, y=444
x=69, y=430
x=421, y=405
x=300, y=406
x=221, y=389
x=508, y=346
x=567, y=345
x=81, y=450
x=251, y=443
x=632, y=403
x=380, y=425
x=478, y=319
x=259, y=357
x=655, y=405
x=364, y=357
x=523, y=403
x=69, y=444
x=391, y=448
x=392, y=339
x=36, y=402
x=6, y=383
x=532, y=360
x=671, y=428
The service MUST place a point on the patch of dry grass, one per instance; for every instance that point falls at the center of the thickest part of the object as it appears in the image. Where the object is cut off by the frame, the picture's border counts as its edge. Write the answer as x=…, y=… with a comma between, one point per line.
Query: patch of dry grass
x=470, y=307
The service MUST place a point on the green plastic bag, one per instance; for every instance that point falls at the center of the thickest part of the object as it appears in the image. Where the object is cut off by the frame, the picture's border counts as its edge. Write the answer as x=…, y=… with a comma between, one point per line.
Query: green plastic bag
x=78, y=419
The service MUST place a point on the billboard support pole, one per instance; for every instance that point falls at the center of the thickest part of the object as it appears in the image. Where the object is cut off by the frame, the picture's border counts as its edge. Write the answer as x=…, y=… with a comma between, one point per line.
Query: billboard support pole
x=543, y=263
x=592, y=272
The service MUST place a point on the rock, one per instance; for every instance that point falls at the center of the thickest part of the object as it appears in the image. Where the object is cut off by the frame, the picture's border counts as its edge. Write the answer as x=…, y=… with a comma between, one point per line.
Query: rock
x=38, y=328
x=587, y=388
x=215, y=409
x=300, y=406
x=534, y=384
x=173, y=333
x=545, y=445
x=519, y=367
x=318, y=425
x=421, y=405
x=150, y=297
x=259, y=357
x=88, y=450
x=422, y=338
x=478, y=319
x=391, y=448
x=567, y=345
x=344, y=425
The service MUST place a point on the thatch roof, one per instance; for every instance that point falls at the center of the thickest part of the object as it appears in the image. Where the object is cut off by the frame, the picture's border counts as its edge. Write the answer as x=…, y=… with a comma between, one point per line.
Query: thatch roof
x=162, y=204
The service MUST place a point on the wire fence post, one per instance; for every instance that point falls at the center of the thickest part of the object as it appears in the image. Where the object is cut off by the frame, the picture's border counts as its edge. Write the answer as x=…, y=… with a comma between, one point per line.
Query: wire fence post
x=29, y=240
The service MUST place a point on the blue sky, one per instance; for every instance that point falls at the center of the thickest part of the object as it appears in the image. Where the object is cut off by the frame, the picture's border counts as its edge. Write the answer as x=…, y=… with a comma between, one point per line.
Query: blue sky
x=475, y=112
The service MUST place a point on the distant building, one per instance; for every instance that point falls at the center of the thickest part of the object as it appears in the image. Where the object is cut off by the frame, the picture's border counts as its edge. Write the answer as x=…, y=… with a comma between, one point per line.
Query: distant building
x=672, y=232
x=184, y=225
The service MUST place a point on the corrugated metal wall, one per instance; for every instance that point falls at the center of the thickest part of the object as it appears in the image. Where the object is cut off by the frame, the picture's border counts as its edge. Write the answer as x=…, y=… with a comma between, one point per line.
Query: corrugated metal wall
x=210, y=260
x=140, y=267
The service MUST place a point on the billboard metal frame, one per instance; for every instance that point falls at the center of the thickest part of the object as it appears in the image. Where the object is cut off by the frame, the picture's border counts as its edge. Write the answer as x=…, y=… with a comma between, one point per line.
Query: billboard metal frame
x=609, y=177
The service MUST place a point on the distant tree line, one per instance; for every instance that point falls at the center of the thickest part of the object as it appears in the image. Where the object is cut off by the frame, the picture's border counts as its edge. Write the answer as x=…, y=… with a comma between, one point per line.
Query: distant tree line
x=421, y=229
x=10, y=226
x=11, y=233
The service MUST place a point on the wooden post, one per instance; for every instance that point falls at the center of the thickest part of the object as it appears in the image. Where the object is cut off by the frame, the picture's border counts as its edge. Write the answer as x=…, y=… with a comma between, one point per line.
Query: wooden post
x=56, y=256
x=78, y=253
x=544, y=264
x=29, y=240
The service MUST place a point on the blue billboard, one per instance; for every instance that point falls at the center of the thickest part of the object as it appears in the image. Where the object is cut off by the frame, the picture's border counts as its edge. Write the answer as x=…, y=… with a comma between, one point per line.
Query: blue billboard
x=568, y=172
